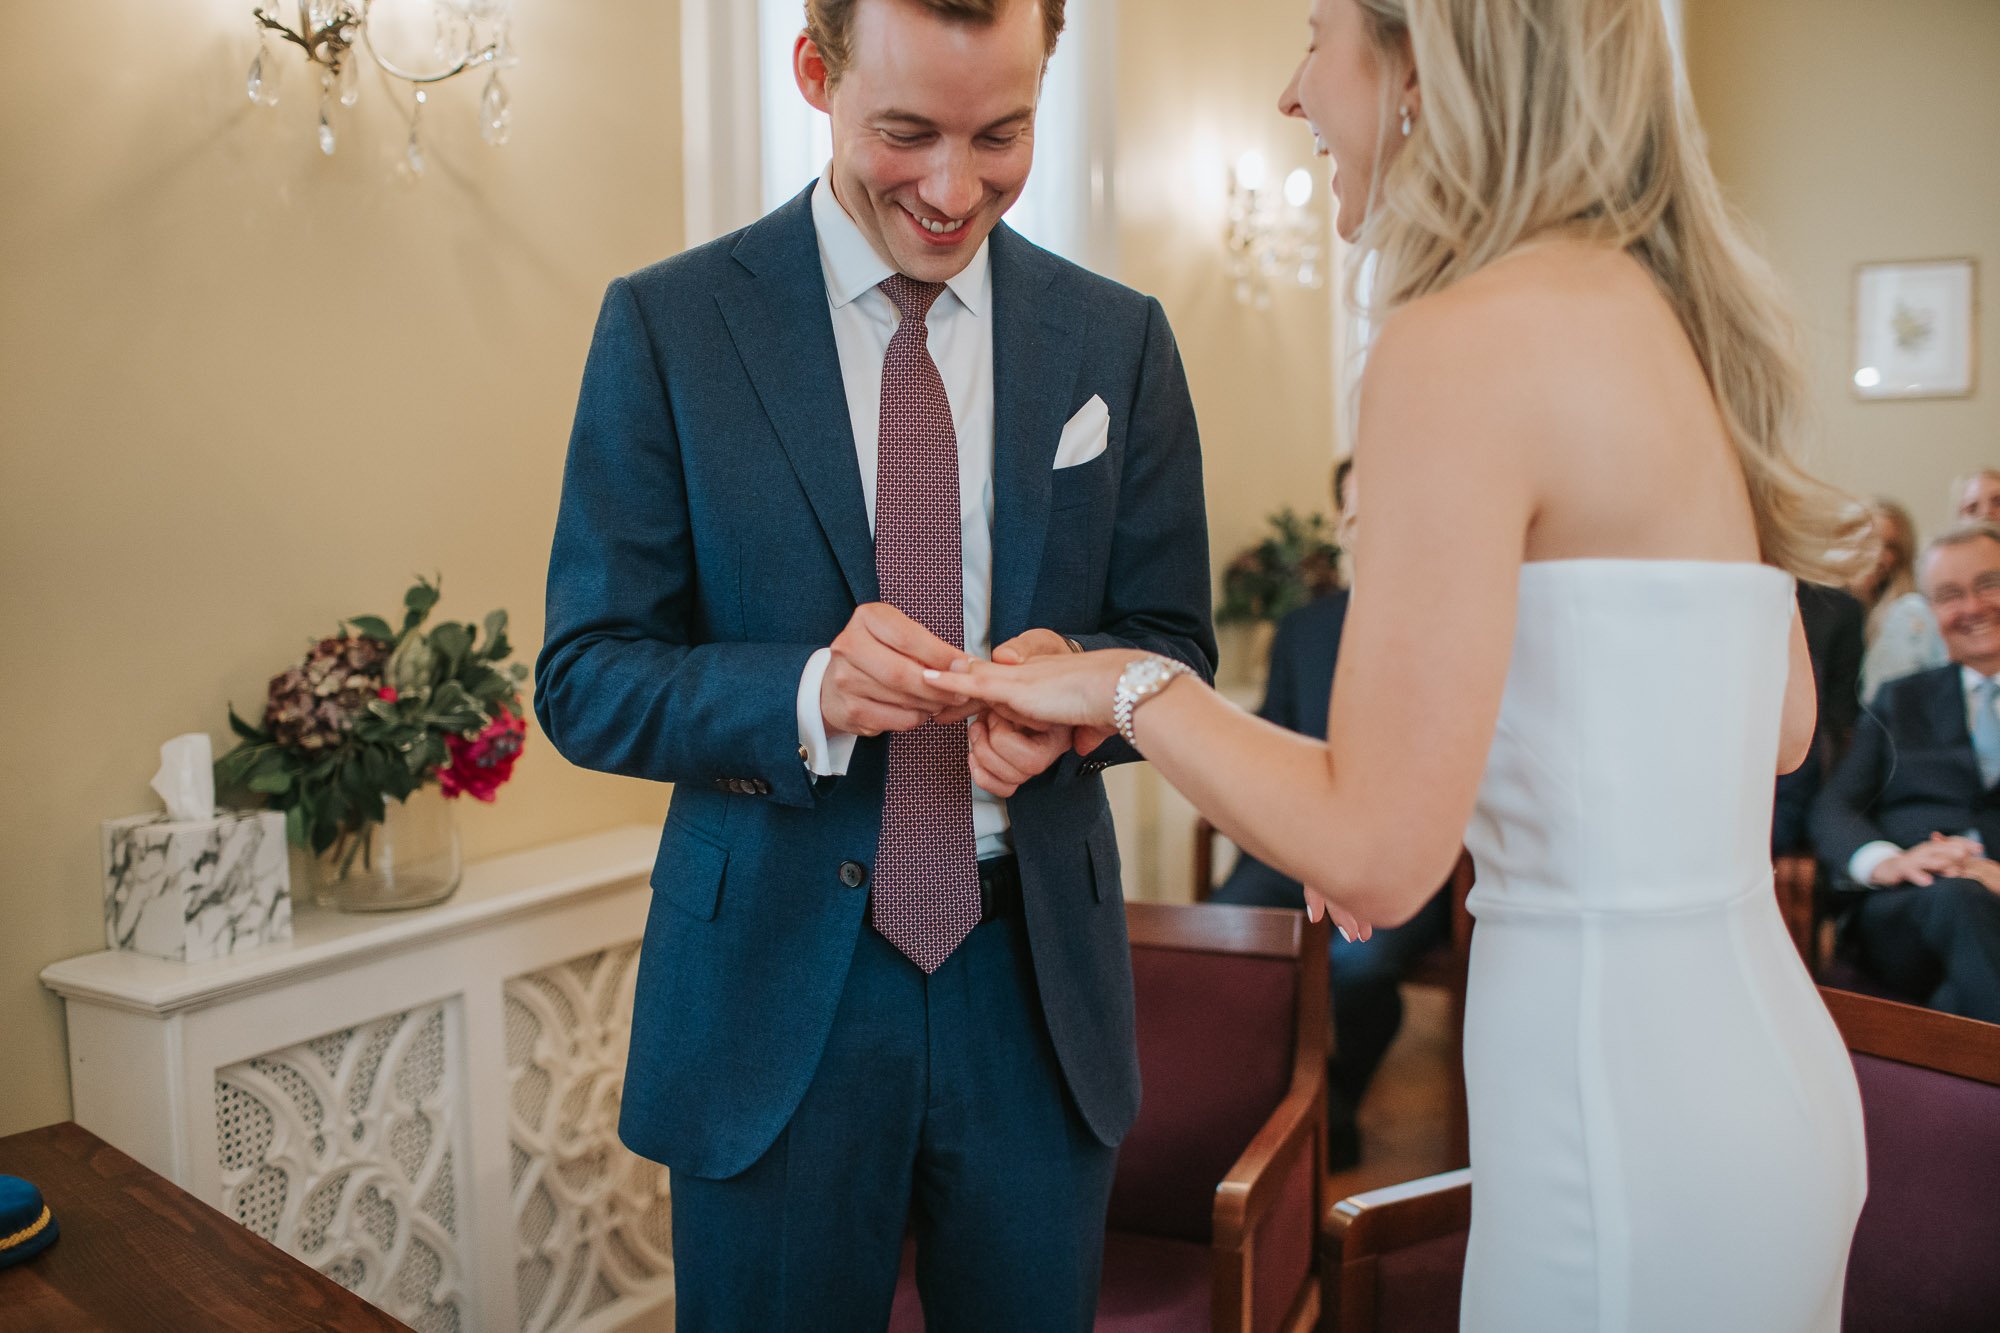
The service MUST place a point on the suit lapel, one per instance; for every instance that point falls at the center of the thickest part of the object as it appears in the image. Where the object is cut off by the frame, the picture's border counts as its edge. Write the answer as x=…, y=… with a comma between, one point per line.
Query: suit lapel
x=1947, y=710
x=784, y=335
x=1945, y=707
x=1037, y=346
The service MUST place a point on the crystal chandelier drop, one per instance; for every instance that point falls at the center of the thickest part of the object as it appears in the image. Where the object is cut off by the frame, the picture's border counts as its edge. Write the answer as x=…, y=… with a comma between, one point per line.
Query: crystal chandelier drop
x=420, y=42
x=1274, y=238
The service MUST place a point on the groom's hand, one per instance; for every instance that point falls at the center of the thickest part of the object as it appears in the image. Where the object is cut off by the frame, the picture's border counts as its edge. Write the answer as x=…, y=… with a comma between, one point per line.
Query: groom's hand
x=1041, y=643
x=1004, y=756
x=875, y=680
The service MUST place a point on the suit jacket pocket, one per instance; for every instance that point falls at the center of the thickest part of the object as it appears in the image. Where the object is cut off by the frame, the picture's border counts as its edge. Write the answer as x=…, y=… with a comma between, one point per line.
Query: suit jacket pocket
x=1081, y=485
x=688, y=870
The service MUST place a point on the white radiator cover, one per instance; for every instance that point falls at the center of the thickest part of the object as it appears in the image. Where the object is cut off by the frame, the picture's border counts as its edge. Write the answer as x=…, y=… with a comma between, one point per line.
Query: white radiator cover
x=422, y=1105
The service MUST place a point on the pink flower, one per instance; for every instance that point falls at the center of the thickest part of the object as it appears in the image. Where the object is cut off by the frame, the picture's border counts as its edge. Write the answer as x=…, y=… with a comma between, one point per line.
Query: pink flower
x=387, y=692
x=480, y=765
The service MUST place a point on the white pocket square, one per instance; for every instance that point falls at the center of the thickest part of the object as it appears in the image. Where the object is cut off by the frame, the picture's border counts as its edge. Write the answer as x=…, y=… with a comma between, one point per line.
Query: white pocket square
x=1086, y=435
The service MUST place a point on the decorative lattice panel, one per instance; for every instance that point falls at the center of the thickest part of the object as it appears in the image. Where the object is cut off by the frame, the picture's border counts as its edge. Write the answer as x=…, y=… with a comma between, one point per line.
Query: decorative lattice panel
x=340, y=1151
x=591, y=1218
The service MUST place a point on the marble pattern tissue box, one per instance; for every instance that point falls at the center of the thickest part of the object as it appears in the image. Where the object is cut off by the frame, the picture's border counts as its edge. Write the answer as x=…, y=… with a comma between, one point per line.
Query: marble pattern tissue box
x=197, y=889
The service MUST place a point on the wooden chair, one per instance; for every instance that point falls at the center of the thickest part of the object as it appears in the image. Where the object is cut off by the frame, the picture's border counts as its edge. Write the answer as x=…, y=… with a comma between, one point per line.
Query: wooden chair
x=1795, y=875
x=1922, y=1260
x=1443, y=968
x=1216, y=1206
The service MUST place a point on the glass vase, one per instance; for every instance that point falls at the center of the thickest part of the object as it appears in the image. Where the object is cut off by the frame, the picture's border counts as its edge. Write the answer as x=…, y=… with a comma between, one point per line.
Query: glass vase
x=410, y=859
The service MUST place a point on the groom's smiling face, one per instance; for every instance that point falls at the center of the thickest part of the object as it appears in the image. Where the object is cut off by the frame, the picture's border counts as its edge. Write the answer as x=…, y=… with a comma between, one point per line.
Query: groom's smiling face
x=933, y=126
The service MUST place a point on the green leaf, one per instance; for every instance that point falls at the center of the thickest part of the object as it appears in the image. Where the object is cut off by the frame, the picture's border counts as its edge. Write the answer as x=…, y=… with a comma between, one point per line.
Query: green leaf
x=270, y=782
x=418, y=603
x=452, y=642
x=244, y=729
x=496, y=636
x=373, y=627
x=295, y=826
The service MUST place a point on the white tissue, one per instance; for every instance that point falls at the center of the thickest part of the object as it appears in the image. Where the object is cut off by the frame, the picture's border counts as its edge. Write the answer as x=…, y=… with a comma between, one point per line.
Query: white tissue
x=186, y=780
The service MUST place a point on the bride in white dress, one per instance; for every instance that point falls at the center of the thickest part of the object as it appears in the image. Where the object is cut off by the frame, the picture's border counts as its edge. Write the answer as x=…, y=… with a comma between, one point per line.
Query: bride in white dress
x=1572, y=644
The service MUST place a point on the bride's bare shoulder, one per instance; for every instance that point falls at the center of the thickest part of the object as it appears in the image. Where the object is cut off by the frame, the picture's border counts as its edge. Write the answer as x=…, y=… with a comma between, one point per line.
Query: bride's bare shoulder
x=1529, y=334
x=1552, y=293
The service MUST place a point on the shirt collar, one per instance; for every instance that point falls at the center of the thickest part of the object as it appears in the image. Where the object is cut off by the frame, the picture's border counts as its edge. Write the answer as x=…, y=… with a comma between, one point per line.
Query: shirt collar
x=852, y=266
x=1971, y=679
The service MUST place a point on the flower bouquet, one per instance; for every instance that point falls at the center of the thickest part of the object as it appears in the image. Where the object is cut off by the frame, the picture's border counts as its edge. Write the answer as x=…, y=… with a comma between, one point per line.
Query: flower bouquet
x=372, y=715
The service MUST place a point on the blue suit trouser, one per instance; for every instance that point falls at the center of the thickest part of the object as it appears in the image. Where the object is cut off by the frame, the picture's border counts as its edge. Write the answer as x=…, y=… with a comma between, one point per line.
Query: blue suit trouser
x=939, y=1111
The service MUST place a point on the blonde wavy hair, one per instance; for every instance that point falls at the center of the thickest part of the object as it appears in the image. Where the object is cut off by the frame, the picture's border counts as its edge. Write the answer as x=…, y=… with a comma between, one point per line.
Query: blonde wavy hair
x=1547, y=114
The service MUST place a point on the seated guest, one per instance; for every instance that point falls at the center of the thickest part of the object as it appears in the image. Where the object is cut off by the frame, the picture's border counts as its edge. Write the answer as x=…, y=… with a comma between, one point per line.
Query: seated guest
x=1976, y=498
x=1907, y=817
x=1902, y=634
x=1834, y=624
x=1367, y=1004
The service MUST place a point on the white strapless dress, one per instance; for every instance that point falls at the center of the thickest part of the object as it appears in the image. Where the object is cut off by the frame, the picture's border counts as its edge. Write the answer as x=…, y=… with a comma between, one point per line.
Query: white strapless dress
x=1666, y=1132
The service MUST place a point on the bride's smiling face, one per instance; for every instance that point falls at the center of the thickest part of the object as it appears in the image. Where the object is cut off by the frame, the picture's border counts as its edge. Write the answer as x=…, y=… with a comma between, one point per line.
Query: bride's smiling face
x=1352, y=98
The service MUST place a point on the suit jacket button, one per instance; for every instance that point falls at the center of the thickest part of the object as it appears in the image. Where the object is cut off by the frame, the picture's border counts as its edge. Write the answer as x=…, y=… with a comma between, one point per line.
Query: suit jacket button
x=853, y=874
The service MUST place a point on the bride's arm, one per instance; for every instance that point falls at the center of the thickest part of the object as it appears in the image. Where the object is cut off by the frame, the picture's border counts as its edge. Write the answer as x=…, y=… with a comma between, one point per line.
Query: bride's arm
x=1374, y=819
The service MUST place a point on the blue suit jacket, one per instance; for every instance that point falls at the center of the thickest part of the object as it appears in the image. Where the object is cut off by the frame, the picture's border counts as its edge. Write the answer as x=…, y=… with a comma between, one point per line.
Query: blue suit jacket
x=1911, y=772
x=713, y=535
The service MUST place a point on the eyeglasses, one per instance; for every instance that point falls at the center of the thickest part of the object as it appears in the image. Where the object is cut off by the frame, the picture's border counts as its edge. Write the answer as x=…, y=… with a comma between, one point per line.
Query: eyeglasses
x=1950, y=595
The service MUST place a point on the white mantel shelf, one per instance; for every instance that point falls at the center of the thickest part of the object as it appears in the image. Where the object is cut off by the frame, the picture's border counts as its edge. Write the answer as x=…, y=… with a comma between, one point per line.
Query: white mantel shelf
x=423, y=1104
x=324, y=941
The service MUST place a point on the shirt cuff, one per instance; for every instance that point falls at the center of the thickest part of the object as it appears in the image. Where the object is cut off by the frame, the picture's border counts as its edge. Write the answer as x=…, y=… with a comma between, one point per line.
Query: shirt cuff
x=1863, y=864
x=825, y=756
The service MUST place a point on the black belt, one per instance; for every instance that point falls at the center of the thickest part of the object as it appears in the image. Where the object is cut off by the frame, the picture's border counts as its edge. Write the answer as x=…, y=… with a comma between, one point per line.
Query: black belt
x=999, y=890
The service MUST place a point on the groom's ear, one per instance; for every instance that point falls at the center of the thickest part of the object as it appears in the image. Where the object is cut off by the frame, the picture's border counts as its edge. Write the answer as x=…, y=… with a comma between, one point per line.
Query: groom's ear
x=810, y=72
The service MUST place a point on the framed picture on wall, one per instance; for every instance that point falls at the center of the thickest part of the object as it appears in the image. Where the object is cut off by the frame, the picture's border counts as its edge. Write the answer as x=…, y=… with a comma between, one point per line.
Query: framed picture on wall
x=1916, y=329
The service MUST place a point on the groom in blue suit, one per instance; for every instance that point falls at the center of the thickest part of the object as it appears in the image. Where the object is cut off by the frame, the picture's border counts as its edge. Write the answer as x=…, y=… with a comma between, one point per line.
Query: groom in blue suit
x=884, y=986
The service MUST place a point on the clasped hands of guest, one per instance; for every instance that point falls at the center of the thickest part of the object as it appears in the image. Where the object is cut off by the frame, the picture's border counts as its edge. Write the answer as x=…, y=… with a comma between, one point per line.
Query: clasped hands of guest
x=1942, y=857
x=1054, y=688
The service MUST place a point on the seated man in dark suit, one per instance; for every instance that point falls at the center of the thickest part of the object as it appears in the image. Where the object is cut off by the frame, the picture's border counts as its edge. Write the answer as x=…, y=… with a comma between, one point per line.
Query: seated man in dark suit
x=1908, y=818
x=1835, y=625
x=1367, y=1005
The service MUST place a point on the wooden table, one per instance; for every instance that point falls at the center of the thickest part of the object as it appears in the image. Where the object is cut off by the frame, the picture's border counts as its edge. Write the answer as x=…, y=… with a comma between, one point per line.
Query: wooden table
x=138, y=1252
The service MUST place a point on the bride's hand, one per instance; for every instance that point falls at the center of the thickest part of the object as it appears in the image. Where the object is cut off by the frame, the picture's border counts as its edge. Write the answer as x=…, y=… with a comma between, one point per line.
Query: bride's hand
x=1351, y=927
x=1068, y=689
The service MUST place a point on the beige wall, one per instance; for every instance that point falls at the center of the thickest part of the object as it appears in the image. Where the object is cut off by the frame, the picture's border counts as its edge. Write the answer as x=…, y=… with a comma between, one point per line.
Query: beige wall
x=1851, y=132
x=245, y=391
x=1198, y=85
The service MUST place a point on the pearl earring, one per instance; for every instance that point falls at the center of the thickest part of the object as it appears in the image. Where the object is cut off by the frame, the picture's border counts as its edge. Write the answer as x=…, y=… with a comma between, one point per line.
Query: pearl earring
x=1406, y=122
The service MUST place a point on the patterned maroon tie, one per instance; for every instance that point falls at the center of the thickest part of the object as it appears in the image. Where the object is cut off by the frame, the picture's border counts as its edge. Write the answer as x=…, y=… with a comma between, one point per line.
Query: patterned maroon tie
x=925, y=900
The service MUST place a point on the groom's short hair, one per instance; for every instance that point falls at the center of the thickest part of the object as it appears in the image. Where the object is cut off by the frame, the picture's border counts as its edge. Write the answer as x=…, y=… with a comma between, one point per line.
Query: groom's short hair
x=830, y=23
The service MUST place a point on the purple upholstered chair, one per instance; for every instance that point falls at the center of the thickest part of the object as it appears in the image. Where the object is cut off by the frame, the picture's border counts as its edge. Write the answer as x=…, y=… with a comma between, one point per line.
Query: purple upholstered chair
x=1216, y=1205
x=1926, y=1256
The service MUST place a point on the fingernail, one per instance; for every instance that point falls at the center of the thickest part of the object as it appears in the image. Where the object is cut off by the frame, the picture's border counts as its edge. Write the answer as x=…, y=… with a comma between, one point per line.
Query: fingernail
x=1344, y=935
x=929, y=674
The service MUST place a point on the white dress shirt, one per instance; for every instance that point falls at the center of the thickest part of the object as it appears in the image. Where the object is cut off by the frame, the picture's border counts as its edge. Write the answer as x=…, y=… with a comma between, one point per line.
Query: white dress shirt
x=1870, y=856
x=961, y=343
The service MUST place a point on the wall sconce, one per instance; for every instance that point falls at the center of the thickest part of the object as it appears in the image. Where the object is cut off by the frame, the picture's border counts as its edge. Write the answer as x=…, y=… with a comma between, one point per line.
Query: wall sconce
x=1273, y=236
x=426, y=42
